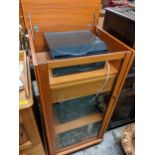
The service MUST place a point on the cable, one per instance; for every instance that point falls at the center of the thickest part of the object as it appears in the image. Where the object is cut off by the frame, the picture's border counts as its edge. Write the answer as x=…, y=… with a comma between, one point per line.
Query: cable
x=104, y=83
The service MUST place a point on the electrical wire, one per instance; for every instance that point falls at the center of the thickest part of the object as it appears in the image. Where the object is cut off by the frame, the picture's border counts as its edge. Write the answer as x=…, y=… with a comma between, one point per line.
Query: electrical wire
x=104, y=83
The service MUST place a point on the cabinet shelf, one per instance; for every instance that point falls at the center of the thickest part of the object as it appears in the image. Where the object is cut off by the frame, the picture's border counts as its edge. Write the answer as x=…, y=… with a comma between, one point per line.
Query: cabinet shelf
x=60, y=128
x=79, y=78
x=76, y=85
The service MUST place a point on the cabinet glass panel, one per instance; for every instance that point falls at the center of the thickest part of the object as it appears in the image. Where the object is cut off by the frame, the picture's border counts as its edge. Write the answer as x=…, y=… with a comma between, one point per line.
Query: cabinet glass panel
x=79, y=106
x=78, y=120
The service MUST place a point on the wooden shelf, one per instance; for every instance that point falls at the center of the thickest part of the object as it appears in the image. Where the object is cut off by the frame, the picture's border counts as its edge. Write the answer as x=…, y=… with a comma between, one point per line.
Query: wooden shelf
x=82, y=84
x=76, y=85
x=78, y=123
x=85, y=89
x=79, y=78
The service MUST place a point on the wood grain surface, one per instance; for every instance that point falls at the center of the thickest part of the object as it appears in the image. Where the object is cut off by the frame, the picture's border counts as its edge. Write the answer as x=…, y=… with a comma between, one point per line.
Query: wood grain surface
x=59, y=15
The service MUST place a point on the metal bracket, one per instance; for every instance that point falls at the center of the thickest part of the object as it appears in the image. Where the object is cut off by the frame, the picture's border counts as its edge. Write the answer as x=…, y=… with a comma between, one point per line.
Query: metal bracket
x=90, y=24
x=36, y=28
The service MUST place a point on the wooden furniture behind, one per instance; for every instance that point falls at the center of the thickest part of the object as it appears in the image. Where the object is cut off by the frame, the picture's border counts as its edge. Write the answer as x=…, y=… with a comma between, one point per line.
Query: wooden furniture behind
x=120, y=22
x=29, y=138
x=54, y=16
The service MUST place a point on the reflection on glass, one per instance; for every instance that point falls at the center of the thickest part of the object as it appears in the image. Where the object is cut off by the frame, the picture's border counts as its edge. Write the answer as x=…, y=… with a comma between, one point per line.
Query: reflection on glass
x=78, y=120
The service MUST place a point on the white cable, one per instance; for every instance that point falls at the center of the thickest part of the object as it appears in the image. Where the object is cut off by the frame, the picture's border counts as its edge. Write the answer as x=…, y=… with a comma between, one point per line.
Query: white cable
x=104, y=83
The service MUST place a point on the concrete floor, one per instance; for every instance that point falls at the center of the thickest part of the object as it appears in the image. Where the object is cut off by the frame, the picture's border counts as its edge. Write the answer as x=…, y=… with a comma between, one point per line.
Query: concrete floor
x=110, y=146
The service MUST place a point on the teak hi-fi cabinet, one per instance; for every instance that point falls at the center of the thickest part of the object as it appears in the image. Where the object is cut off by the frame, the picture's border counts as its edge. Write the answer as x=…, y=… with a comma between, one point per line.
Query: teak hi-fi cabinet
x=58, y=93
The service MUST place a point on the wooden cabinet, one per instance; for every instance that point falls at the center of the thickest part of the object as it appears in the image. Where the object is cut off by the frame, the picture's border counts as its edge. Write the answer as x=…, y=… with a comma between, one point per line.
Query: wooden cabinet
x=29, y=138
x=64, y=127
x=120, y=22
x=56, y=91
